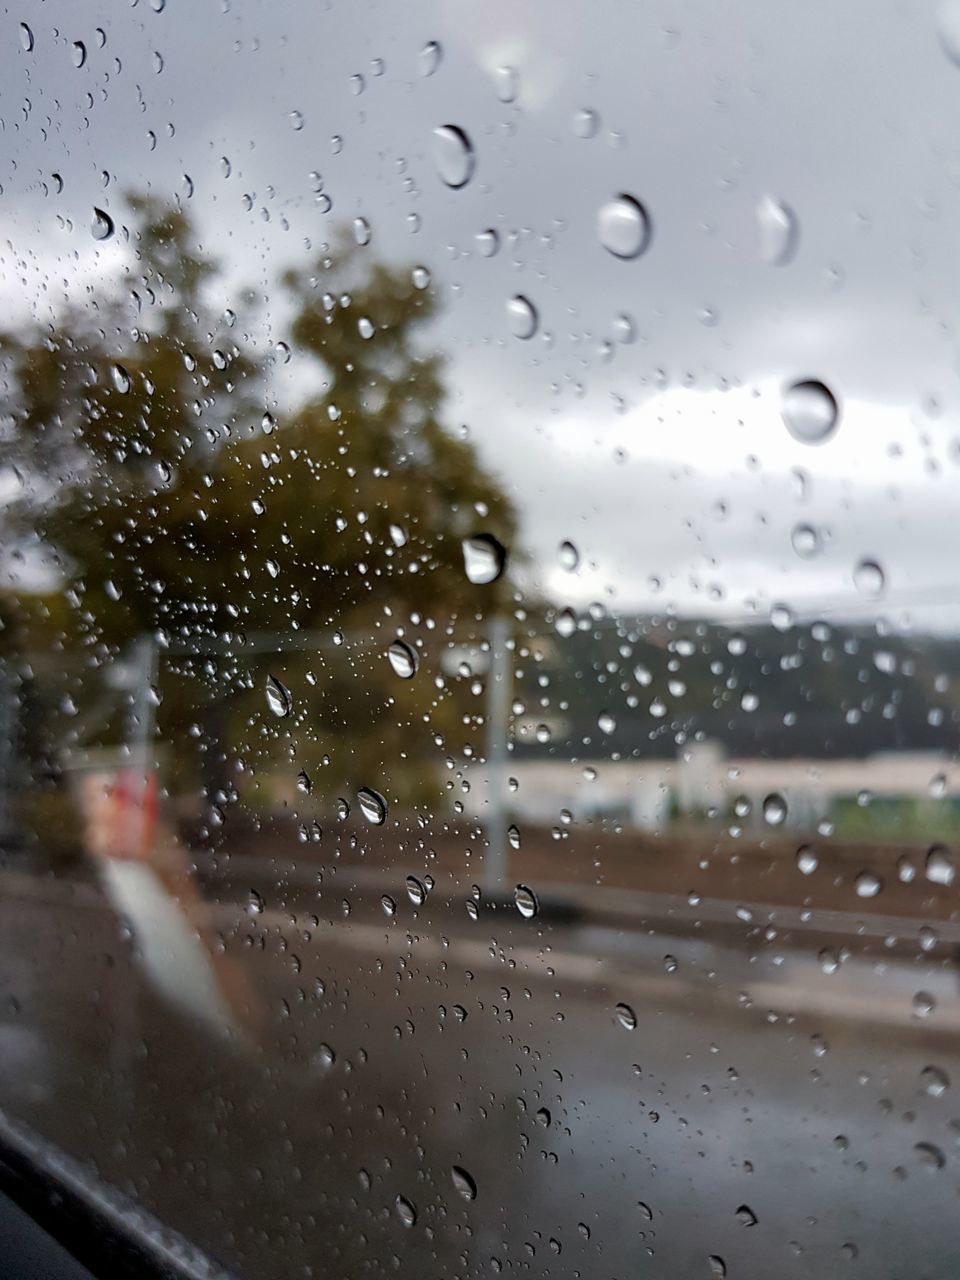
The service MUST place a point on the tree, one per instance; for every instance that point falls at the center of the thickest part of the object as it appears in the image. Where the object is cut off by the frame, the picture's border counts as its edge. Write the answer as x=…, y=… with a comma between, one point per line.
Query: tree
x=174, y=498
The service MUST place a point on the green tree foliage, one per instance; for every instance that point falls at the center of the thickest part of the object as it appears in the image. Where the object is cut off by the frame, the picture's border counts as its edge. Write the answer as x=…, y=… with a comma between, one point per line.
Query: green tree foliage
x=174, y=496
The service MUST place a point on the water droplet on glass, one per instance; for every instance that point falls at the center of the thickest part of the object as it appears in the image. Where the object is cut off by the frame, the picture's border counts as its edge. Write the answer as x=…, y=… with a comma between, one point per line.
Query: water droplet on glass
x=566, y=623
x=78, y=53
x=777, y=231
x=923, y=1004
x=623, y=227
x=429, y=58
x=935, y=1082
x=405, y=1211
x=586, y=123
x=483, y=558
x=606, y=723
x=488, y=242
x=453, y=155
x=513, y=837
x=343, y=809
x=805, y=541
x=810, y=411
x=718, y=1268
x=403, y=659
x=389, y=905
x=948, y=27
x=304, y=783
x=626, y=1017
x=365, y=328
x=254, y=903
x=372, y=806
x=939, y=866
x=869, y=579
x=361, y=231
x=416, y=891
x=867, y=884
x=522, y=316
x=774, y=809
x=101, y=228
x=473, y=911
x=506, y=82
x=807, y=861
x=296, y=120
x=463, y=1182
x=569, y=556
x=121, y=379
x=279, y=699
x=746, y=1217
x=26, y=38
x=929, y=1157
x=527, y=902
x=420, y=277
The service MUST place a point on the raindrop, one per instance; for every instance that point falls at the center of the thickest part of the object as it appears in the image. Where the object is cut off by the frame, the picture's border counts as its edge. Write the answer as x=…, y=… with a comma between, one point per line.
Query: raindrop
x=805, y=541
x=626, y=1017
x=506, y=83
x=372, y=806
x=606, y=723
x=343, y=809
x=420, y=277
x=923, y=1004
x=296, y=120
x=279, y=699
x=361, y=231
x=569, y=556
x=810, y=411
x=522, y=316
x=935, y=1082
x=430, y=57
x=939, y=866
x=254, y=903
x=453, y=155
x=774, y=809
x=405, y=1211
x=807, y=860
x=79, y=53
x=488, y=242
x=513, y=837
x=566, y=623
x=948, y=26
x=389, y=905
x=416, y=891
x=483, y=558
x=403, y=659
x=473, y=911
x=778, y=232
x=101, y=227
x=867, y=884
x=929, y=1156
x=121, y=379
x=623, y=227
x=527, y=902
x=624, y=330
x=304, y=783
x=365, y=328
x=586, y=123
x=645, y=1211
x=26, y=38
x=746, y=1217
x=869, y=579
x=463, y=1182
x=718, y=1268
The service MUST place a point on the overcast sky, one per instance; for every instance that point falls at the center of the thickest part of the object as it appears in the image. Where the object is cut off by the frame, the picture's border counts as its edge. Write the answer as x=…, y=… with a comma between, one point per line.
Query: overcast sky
x=666, y=460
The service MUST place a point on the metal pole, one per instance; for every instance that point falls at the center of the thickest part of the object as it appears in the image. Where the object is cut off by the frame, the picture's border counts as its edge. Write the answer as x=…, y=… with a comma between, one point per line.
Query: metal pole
x=499, y=690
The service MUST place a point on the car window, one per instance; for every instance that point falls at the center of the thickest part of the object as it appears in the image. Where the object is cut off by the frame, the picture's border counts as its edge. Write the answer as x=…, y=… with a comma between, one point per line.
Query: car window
x=479, y=629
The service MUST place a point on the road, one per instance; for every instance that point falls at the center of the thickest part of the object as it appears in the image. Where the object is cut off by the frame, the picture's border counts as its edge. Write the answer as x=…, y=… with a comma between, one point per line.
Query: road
x=780, y=1107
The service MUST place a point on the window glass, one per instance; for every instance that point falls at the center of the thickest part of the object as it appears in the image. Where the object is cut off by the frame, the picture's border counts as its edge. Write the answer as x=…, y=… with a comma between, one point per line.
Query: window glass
x=478, y=629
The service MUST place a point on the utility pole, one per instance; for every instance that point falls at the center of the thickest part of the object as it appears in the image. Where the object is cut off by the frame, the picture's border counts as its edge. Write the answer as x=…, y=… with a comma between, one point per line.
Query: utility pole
x=499, y=690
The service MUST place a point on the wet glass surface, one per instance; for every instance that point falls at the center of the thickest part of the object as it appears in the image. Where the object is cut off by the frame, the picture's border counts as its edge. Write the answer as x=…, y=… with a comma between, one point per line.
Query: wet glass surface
x=479, y=630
